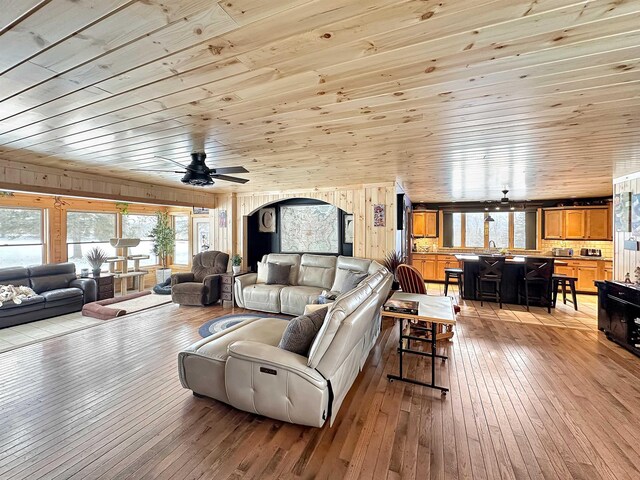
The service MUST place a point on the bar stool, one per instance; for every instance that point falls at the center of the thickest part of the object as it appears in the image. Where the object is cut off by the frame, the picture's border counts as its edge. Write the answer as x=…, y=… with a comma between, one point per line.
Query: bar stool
x=560, y=279
x=539, y=271
x=450, y=273
x=491, y=269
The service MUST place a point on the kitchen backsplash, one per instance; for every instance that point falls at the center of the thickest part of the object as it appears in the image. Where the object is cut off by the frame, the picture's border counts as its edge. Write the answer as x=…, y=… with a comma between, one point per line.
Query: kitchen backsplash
x=545, y=246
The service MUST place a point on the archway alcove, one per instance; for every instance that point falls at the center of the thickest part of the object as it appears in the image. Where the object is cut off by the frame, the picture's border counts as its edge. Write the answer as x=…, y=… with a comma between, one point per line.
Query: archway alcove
x=262, y=243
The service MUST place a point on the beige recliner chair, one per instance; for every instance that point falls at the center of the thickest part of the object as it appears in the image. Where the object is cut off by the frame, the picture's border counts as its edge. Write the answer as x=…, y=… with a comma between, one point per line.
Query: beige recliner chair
x=243, y=366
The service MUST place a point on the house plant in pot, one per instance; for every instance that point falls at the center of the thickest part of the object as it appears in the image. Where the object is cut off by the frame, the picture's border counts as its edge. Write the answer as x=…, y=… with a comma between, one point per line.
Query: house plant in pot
x=96, y=257
x=392, y=260
x=164, y=240
x=236, y=263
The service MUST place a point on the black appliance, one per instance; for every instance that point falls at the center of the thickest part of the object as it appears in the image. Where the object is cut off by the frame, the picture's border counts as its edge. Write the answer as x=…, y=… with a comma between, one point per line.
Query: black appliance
x=619, y=313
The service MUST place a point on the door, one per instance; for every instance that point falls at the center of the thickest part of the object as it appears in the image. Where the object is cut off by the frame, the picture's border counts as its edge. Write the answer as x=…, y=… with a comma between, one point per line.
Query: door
x=429, y=272
x=562, y=270
x=598, y=223
x=419, y=224
x=574, y=224
x=586, y=277
x=553, y=222
x=200, y=238
x=431, y=224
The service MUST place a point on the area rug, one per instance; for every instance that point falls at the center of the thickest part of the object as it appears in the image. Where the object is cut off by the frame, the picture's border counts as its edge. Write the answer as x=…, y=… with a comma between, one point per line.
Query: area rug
x=219, y=324
x=131, y=303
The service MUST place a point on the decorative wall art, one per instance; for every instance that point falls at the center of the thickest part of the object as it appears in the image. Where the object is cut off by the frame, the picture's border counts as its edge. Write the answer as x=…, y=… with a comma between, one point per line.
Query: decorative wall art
x=222, y=219
x=200, y=211
x=378, y=215
x=348, y=228
x=635, y=215
x=309, y=229
x=267, y=220
x=622, y=211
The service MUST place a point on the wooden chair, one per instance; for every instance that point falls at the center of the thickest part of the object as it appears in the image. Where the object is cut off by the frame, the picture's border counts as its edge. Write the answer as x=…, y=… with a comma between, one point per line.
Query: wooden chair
x=410, y=279
x=490, y=272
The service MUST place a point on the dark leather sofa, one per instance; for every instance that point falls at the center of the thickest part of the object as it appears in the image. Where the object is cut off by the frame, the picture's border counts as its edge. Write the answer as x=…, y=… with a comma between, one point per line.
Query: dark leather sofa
x=58, y=292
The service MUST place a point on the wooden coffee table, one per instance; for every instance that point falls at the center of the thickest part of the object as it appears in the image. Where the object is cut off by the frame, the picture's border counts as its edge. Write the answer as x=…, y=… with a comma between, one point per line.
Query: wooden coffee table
x=433, y=311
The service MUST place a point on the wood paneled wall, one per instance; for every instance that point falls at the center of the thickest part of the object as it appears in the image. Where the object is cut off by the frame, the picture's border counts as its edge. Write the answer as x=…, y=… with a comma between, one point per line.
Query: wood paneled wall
x=38, y=179
x=625, y=260
x=369, y=241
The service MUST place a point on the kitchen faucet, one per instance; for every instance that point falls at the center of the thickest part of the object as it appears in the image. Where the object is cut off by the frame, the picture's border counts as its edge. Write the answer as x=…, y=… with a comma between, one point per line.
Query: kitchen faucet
x=494, y=244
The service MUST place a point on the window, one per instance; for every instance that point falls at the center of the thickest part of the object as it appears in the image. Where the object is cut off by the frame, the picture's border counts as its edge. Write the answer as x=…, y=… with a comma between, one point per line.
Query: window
x=499, y=229
x=139, y=226
x=520, y=230
x=181, y=250
x=21, y=237
x=508, y=230
x=474, y=229
x=86, y=230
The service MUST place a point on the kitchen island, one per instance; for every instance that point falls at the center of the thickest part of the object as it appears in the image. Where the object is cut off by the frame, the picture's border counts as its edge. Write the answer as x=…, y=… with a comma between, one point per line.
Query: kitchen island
x=511, y=278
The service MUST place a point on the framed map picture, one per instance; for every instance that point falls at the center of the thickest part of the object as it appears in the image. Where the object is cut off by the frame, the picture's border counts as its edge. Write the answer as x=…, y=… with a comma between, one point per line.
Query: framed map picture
x=348, y=228
x=309, y=229
x=622, y=211
x=267, y=220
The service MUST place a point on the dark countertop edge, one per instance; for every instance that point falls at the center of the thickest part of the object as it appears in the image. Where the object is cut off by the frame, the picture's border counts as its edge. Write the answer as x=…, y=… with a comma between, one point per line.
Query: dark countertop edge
x=575, y=257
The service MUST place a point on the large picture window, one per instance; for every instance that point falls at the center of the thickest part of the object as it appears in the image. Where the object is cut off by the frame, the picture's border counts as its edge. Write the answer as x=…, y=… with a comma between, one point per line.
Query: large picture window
x=510, y=230
x=140, y=226
x=21, y=237
x=86, y=230
x=181, y=250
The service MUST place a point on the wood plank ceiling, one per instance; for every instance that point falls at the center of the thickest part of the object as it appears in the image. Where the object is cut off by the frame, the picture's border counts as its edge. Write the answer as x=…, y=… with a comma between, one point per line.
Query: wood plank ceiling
x=453, y=98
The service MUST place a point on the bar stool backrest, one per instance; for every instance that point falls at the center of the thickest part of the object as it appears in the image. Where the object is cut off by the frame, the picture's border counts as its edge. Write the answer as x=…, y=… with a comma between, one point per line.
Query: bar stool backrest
x=538, y=268
x=410, y=279
x=491, y=266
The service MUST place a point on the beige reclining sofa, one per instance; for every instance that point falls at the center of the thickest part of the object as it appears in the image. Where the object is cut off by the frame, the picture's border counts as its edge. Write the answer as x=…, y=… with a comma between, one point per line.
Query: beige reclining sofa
x=244, y=367
x=310, y=275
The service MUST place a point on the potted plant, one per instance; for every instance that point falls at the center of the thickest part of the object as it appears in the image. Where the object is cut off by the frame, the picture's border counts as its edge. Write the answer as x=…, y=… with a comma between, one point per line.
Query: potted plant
x=96, y=257
x=391, y=261
x=236, y=263
x=164, y=240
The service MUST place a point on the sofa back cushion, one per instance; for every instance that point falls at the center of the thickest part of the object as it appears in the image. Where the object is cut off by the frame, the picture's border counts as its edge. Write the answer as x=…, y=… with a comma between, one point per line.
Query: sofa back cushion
x=51, y=277
x=16, y=276
x=317, y=271
x=345, y=264
x=344, y=306
x=286, y=259
x=209, y=263
x=374, y=267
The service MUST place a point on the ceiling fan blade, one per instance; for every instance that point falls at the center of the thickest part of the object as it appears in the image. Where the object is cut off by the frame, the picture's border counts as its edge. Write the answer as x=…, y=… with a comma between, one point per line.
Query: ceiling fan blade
x=223, y=170
x=227, y=178
x=153, y=170
x=173, y=161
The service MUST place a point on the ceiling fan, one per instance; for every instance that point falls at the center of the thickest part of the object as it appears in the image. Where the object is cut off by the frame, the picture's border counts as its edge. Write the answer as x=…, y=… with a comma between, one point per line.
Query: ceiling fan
x=197, y=173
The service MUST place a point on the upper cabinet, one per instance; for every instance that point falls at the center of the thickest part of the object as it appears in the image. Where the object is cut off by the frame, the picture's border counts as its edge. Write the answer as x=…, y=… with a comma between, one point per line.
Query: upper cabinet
x=577, y=224
x=425, y=224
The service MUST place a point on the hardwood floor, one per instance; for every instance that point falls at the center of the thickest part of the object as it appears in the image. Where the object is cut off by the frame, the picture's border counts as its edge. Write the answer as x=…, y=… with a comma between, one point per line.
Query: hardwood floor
x=526, y=401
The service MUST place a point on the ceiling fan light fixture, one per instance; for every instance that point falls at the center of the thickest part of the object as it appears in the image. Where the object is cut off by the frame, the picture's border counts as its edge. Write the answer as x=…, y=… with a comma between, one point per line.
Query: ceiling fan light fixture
x=489, y=218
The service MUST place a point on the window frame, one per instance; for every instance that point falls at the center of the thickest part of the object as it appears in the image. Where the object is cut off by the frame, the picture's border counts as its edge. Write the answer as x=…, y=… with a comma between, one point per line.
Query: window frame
x=174, y=216
x=486, y=236
x=44, y=232
x=118, y=229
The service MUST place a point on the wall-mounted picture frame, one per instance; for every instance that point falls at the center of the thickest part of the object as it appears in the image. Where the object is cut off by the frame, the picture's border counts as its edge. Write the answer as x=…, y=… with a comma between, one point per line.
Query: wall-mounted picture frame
x=635, y=215
x=379, y=215
x=348, y=228
x=222, y=219
x=267, y=220
x=200, y=211
x=622, y=211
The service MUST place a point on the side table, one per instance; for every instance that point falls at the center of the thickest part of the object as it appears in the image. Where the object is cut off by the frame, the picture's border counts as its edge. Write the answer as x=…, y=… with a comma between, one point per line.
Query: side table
x=104, y=286
x=227, y=282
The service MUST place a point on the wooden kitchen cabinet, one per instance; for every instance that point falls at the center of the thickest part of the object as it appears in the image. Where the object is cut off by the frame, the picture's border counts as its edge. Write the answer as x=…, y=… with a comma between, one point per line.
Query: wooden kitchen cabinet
x=586, y=277
x=574, y=224
x=586, y=271
x=597, y=224
x=432, y=266
x=554, y=224
x=425, y=224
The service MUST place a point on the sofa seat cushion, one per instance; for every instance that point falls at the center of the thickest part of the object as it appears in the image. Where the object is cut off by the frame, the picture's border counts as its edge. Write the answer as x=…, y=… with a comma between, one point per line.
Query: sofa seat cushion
x=262, y=297
x=28, y=305
x=294, y=299
x=61, y=296
x=202, y=365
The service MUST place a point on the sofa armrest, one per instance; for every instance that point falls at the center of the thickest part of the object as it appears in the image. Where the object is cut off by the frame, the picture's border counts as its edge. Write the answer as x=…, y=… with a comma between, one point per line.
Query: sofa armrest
x=269, y=355
x=88, y=287
x=181, y=278
x=241, y=282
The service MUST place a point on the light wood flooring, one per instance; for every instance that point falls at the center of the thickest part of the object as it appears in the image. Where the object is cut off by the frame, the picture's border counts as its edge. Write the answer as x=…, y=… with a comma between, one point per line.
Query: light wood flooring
x=527, y=401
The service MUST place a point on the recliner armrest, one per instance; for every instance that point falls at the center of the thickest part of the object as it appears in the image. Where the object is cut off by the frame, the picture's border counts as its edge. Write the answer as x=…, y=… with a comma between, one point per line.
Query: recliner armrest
x=182, y=278
x=88, y=287
x=269, y=355
x=247, y=279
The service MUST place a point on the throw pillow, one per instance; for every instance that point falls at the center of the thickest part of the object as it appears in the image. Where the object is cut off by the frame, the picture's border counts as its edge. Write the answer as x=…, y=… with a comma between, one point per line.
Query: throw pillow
x=278, y=274
x=263, y=271
x=347, y=280
x=301, y=331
